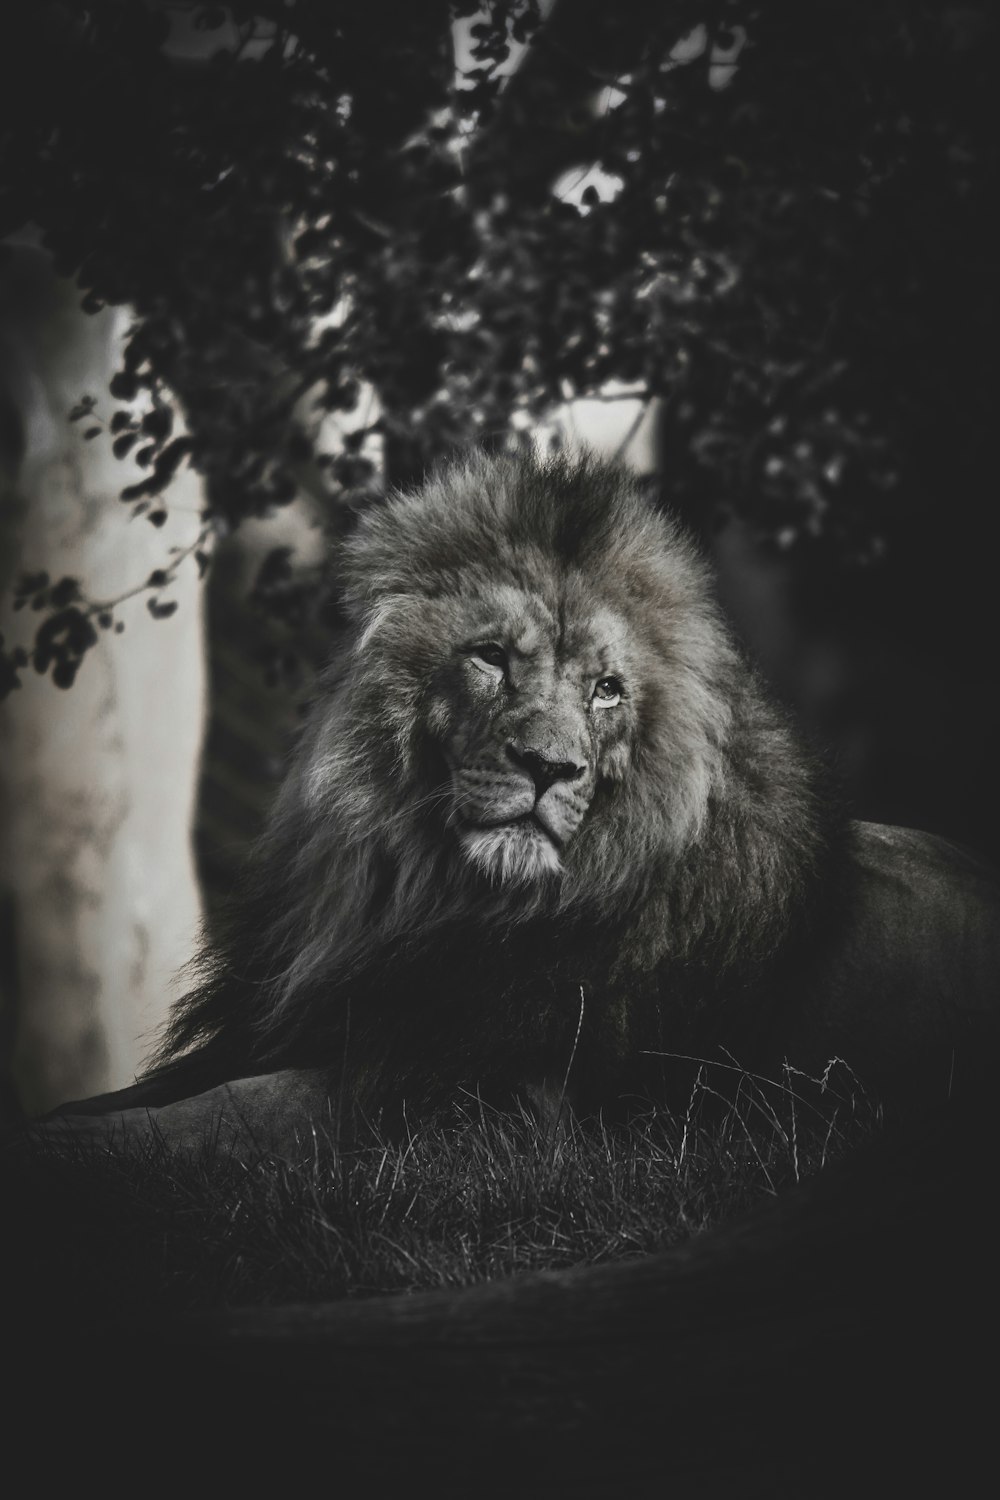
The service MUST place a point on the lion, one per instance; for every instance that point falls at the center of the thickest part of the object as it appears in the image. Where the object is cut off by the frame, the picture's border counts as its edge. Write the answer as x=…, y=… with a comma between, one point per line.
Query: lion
x=545, y=836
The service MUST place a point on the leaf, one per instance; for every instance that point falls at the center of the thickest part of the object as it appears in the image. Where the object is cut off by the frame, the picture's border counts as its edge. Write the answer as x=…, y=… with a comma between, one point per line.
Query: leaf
x=166, y=465
x=70, y=626
x=276, y=568
x=124, y=386
x=158, y=423
x=161, y=611
x=64, y=592
x=30, y=583
x=147, y=486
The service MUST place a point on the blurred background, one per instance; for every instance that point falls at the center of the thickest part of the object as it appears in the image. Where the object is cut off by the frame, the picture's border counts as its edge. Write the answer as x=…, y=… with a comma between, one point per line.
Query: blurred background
x=260, y=261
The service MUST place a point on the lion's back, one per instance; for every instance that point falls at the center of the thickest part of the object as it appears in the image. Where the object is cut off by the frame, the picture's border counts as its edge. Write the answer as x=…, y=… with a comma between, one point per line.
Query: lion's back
x=905, y=982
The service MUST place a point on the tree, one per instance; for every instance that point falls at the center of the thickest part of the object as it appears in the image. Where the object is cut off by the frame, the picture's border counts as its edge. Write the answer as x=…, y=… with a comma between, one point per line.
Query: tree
x=436, y=222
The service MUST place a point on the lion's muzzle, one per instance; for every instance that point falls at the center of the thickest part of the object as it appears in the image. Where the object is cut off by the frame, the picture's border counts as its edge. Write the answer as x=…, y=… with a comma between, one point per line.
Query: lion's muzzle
x=543, y=770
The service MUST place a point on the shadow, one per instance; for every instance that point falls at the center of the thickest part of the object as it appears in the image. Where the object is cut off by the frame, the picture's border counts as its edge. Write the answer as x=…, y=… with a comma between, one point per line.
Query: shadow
x=836, y=1341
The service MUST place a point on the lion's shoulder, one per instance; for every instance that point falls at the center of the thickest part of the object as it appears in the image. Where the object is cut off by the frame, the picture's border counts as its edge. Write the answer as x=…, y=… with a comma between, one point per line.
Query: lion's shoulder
x=904, y=979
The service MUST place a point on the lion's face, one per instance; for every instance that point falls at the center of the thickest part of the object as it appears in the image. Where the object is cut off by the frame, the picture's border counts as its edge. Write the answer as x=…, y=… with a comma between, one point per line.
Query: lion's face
x=535, y=688
x=532, y=712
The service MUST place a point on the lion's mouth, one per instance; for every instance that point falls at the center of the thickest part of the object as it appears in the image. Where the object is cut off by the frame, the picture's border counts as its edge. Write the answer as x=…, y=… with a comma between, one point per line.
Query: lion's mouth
x=528, y=820
x=544, y=830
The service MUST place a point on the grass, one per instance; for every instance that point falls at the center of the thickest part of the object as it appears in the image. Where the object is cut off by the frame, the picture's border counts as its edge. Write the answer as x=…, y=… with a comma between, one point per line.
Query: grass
x=147, y=1231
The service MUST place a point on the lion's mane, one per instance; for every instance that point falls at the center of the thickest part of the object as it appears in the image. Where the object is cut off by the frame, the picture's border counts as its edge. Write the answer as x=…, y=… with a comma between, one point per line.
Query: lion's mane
x=362, y=939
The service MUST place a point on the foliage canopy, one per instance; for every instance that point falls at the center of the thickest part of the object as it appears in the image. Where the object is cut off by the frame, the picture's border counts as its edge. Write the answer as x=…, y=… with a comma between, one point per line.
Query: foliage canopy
x=438, y=222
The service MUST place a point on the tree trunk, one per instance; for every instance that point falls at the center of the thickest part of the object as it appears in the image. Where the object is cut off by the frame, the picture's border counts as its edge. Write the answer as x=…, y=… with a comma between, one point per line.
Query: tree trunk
x=97, y=783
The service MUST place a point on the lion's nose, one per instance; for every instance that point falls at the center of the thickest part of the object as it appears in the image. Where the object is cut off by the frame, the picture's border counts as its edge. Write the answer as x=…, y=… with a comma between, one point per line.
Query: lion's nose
x=544, y=771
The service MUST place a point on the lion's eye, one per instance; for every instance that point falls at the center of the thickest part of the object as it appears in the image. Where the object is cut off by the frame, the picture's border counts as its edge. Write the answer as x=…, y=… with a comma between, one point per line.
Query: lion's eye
x=607, y=693
x=489, y=657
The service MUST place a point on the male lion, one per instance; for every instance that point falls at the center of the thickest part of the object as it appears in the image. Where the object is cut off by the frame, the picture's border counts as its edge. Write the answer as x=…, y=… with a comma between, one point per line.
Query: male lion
x=544, y=820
